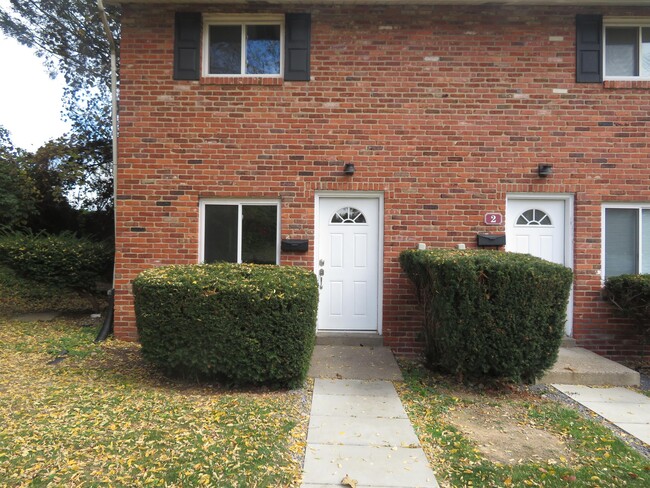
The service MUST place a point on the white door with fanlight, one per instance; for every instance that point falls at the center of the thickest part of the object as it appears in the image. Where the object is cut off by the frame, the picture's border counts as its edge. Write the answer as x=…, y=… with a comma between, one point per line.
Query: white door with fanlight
x=348, y=263
x=541, y=225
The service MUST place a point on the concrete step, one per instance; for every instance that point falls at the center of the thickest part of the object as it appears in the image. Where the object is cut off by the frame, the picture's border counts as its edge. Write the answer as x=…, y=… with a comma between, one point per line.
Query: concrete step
x=363, y=339
x=568, y=342
x=354, y=362
x=578, y=366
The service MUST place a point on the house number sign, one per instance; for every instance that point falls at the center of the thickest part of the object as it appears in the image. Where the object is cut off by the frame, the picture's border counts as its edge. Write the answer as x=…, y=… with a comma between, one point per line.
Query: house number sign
x=493, y=219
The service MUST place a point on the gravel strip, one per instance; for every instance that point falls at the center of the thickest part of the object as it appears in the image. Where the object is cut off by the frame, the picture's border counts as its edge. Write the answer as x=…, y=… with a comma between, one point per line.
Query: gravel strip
x=645, y=382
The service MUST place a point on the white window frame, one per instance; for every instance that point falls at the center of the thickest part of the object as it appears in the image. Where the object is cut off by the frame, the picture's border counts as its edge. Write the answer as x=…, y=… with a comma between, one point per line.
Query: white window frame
x=629, y=206
x=638, y=22
x=243, y=20
x=240, y=202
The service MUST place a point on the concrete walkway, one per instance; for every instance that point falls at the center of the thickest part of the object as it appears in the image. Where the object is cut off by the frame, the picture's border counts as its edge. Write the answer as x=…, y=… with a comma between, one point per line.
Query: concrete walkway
x=627, y=409
x=358, y=427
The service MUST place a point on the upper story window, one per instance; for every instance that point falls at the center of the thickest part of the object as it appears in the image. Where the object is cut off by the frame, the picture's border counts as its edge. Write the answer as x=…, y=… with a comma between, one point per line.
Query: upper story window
x=273, y=48
x=243, y=45
x=627, y=49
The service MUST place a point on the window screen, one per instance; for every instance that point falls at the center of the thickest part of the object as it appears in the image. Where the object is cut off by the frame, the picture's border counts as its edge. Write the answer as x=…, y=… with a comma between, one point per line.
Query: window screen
x=621, y=239
x=259, y=234
x=225, y=49
x=220, y=233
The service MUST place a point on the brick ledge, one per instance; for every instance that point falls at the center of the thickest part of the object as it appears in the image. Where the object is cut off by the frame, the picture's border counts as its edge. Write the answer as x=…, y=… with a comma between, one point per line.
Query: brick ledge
x=241, y=80
x=626, y=84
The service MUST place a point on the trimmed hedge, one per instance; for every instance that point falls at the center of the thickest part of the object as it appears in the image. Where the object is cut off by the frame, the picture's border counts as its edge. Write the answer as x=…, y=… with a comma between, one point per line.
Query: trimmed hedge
x=490, y=314
x=630, y=294
x=244, y=323
x=62, y=260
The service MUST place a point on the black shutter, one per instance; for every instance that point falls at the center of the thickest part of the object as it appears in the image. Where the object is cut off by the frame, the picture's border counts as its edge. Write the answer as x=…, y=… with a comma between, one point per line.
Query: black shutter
x=297, y=46
x=187, y=46
x=589, y=48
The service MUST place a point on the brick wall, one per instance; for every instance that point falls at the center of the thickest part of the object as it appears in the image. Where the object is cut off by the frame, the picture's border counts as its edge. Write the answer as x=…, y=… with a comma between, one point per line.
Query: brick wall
x=443, y=109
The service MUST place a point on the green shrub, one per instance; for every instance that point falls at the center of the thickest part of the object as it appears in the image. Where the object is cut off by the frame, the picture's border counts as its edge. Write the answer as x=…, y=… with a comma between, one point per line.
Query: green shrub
x=247, y=324
x=64, y=260
x=20, y=295
x=630, y=294
x=490, y=313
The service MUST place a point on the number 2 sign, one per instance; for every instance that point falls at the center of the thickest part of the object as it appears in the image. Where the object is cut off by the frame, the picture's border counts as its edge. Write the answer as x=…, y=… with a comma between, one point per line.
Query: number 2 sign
x=493, y=219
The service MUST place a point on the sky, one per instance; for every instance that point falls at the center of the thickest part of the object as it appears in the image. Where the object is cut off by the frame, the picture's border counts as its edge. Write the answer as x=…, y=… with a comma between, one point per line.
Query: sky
x=30, y=101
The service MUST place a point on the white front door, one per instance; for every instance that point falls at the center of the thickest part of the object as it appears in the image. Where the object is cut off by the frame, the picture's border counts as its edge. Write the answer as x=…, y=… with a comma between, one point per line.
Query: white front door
x=348, y=263
x=538, y=226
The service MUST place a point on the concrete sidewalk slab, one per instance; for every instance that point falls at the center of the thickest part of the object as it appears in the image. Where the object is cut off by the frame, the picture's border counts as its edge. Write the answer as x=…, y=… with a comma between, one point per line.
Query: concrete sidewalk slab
x=357, y=406
x=371, y=466
x=578, y=366
x=354, y=387
x=624, y=408
x=36, y=317
x=389, y=432
x=640, y=431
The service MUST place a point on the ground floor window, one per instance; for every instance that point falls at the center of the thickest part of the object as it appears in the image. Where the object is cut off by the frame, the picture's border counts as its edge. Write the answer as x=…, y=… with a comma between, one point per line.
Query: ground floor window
x=240, y=232
x=627, y=239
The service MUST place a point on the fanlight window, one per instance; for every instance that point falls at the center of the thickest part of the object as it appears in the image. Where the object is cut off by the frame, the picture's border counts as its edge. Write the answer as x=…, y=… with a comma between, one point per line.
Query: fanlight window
x=348, y=215
x=534, y=216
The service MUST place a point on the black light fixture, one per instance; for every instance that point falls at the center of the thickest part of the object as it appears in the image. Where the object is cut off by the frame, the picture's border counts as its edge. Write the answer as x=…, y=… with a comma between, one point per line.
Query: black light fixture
x=544, y=170
x=348, y=169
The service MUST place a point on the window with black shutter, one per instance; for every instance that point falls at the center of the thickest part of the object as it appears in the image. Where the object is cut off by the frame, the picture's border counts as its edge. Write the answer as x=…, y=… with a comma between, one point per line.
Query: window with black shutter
x=612, y=48
x=187, y=46
x=589, y=47
x=242, y=45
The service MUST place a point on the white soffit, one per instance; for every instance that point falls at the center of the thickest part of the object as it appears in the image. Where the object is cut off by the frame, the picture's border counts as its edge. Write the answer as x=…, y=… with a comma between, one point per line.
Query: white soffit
x=613, y=3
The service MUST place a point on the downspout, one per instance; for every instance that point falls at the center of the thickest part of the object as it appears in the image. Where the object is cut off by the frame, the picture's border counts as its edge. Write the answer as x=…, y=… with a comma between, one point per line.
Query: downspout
x=107, y=326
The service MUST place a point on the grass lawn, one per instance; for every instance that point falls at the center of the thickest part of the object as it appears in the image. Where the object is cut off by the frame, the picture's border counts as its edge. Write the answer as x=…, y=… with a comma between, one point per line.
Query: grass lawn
x=513, y=438
x=103, y=417
x=75, y=414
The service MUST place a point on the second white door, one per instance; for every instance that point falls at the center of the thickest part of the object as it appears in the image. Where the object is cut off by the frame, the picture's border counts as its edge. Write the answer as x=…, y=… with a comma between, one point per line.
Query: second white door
x=538, y=226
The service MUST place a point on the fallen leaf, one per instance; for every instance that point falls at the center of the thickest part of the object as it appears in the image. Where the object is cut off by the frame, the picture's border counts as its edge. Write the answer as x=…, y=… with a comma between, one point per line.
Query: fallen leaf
x=347, y=481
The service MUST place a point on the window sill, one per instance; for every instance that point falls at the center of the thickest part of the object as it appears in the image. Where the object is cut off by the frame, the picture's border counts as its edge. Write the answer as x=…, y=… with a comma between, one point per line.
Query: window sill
x=242, y=80
x=626, y=84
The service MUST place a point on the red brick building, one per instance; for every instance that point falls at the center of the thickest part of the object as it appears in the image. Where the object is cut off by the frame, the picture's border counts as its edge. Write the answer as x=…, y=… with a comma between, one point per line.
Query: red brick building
x=333, y=136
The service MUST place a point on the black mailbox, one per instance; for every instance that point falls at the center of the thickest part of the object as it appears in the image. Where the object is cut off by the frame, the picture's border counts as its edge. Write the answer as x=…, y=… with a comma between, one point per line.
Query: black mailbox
x=490, y=240
x=295, y=245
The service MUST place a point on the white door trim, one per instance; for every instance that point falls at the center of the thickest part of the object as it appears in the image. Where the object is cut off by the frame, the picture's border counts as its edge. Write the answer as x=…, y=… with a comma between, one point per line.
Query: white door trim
x=379, y=196
x=569, y=236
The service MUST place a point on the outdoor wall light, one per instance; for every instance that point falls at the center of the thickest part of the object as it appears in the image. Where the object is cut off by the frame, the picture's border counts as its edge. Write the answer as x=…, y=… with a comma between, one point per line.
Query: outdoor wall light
x=348, y=169
x=544, y=170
